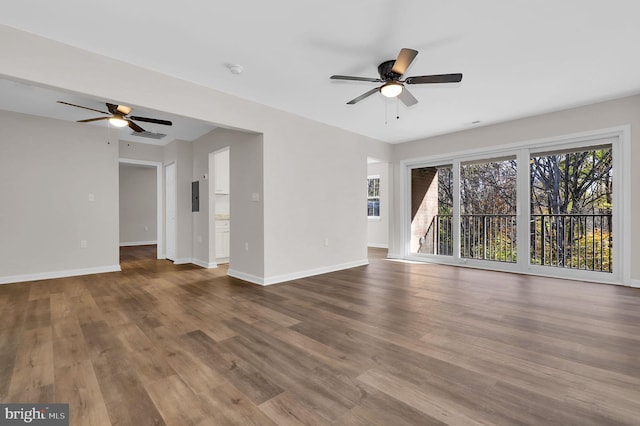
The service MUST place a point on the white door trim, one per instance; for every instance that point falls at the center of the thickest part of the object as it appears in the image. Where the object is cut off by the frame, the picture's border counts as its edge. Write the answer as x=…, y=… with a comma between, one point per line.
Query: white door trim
x=175, y=203
x=159, y=205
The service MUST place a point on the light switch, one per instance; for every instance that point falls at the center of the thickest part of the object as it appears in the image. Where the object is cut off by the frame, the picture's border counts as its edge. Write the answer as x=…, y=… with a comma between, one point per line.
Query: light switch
x=92, y=197
x=255, y=196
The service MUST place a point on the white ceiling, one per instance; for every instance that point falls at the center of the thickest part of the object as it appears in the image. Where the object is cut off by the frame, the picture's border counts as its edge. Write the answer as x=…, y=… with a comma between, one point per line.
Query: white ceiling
x=518, y=57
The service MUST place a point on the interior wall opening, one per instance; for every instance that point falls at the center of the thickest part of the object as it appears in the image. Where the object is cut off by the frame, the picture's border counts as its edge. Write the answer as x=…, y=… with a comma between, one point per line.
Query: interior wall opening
x=140, y=204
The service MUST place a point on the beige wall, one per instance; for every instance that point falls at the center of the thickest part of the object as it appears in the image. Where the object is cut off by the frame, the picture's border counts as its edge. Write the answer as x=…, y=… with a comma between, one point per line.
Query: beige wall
x=603, y=115
x=138, y=204
x=48, y=171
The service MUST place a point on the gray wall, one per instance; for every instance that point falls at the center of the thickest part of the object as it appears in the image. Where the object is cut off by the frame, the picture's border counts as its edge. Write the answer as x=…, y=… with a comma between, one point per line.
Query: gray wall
x=138, y=205
x=245, y=162
x=141, y=151
x=181, y=153
x=48, y=169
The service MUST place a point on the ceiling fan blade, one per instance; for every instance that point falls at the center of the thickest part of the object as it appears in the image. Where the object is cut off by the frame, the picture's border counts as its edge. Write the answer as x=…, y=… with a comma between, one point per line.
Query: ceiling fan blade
x=407, y=98
x=151, y=120
x=83, y=107
x=348, y=77
x=135, y=127
x=405, y=57
x=113, y=109
x=439, y=78
x=89, y=120
x=364, y=95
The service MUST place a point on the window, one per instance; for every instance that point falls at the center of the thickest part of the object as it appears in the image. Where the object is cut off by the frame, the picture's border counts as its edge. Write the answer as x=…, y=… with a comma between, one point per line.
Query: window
x=373, y=196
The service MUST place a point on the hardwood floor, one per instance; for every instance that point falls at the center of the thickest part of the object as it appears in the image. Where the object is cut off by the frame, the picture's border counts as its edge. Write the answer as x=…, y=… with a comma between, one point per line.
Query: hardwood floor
x=391, y=343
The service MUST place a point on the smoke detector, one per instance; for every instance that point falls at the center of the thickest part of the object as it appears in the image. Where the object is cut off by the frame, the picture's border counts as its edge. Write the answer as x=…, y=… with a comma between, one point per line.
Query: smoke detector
x=235, y=68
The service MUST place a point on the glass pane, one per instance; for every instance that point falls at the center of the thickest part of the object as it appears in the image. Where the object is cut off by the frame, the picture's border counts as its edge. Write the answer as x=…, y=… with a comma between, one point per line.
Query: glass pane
x=431, y=210
x=571, y=209
x=373, y=207
x=488, y=210
x=373, y=187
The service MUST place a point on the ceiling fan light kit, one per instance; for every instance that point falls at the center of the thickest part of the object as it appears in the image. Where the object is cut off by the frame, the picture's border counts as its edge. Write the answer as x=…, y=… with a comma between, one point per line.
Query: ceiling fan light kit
x=391, y=90
x=391, y=73
x=118, y=122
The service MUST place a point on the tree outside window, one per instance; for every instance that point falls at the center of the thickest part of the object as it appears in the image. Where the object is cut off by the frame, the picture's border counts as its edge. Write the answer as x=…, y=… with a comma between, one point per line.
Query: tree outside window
x=373, y=196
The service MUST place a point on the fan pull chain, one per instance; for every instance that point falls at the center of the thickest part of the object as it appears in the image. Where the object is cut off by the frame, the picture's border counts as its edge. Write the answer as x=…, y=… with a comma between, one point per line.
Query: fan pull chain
x=397, y=109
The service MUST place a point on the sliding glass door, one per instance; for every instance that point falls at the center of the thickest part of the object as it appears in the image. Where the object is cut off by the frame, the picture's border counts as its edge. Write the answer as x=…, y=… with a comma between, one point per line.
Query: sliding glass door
x=549, y=210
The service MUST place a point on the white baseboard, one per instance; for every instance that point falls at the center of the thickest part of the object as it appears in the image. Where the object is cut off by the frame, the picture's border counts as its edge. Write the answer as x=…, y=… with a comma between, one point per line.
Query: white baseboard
x=59, y=274
x=394, y=256
x=198, y=262
x=295, y=275
x=382, y=246
x=254, y=279
x=207, y=265
x=139, y=243
x=635, y=283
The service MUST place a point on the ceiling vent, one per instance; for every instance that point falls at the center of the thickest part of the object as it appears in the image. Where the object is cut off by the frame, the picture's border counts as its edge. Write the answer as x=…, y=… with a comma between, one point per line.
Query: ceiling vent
x=149, y=135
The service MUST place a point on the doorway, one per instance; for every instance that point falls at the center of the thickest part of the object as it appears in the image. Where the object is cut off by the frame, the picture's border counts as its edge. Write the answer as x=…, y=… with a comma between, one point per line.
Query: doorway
x=141, y=233
x=219, y=206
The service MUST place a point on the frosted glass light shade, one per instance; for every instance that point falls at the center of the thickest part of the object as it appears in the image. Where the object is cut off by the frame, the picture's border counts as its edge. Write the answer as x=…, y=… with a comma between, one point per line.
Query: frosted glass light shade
x=118, y=122
x=391, y=90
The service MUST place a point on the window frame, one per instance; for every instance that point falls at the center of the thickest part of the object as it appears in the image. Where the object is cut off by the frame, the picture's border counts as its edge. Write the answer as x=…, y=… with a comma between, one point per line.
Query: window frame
x=378, y=198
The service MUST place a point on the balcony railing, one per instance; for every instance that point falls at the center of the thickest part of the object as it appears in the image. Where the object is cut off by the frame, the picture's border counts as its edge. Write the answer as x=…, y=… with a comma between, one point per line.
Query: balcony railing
x=574, y=241
x=488, y=237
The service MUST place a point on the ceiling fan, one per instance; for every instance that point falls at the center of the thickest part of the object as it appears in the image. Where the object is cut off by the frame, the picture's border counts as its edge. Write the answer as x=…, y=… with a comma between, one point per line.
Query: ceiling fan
x=391, y=73
x=119, y=116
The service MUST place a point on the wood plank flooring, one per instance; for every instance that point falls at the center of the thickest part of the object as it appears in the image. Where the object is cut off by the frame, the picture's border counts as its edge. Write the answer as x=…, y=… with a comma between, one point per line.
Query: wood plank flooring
x=390, y=343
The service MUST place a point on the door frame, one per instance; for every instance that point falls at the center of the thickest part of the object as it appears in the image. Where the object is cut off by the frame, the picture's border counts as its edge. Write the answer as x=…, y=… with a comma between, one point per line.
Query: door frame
x=213, y=257
x=160, y=254
x=621, y=146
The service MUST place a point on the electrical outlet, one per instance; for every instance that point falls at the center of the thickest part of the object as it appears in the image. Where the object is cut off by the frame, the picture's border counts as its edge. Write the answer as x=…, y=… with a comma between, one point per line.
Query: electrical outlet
x=326, y=242
x=246, y=246
x=83, y=243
